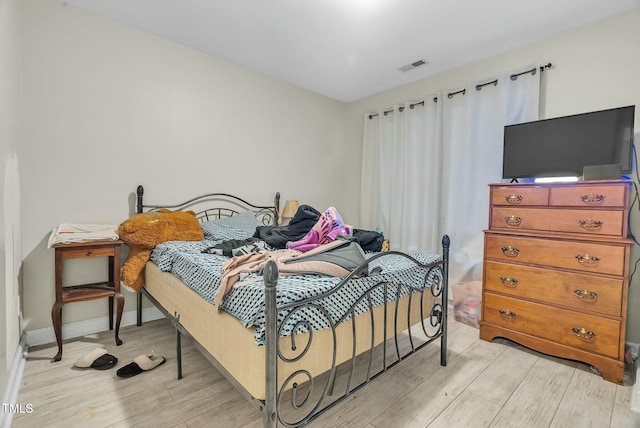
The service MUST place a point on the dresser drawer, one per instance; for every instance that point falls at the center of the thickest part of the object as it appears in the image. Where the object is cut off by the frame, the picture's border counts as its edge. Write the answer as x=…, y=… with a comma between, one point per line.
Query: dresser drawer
x=592, y=333
x=521, y=196
x=590, y=222
x=582, y=256
x=588, y=196
x=574, y=290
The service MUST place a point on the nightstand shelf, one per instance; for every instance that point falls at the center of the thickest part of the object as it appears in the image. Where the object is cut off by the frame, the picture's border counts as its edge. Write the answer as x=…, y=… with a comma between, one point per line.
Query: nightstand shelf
x=80, y=293
x=85, y=292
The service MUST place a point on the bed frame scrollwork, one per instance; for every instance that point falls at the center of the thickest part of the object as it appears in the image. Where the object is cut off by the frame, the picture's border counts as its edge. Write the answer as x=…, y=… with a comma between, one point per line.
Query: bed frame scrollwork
x=375, y=343
x=225, y=205
x=284, y=404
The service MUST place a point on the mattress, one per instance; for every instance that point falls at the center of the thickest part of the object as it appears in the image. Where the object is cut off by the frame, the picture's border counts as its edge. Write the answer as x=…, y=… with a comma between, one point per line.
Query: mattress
x=202, y=273
x=232, y=344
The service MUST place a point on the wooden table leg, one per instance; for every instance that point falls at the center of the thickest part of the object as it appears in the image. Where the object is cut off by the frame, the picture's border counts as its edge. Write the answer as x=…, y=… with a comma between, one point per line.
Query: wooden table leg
x=56, y=317
x=120, y=307
x=114, y=272
x=110, y=312
x=111, y=277
x=56, y=310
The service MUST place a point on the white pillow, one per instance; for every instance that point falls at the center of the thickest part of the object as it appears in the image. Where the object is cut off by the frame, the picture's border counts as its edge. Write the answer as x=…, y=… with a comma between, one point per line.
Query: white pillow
x=239, y=226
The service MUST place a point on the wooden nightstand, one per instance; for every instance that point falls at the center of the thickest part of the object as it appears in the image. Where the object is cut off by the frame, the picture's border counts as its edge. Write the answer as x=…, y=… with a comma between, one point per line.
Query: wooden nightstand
x=84, y=292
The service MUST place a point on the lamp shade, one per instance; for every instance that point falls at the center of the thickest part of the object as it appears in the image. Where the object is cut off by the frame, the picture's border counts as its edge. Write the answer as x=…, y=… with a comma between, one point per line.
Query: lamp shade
x=290, y=209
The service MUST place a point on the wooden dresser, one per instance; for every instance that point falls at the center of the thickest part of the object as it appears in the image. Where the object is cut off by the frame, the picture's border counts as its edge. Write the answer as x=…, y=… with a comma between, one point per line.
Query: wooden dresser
x=556, y=266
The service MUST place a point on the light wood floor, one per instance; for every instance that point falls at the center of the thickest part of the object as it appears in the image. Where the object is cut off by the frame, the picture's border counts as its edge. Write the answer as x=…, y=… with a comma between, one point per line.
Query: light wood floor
x=497, y=384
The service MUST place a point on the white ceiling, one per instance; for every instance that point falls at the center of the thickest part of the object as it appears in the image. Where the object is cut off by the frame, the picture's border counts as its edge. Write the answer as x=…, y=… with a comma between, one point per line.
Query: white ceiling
x=349, y=49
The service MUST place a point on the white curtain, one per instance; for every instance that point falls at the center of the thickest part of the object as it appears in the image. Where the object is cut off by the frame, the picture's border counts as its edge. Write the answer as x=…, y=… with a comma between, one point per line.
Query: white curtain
x=426, y=170
x=473, y=129
x=401, y=174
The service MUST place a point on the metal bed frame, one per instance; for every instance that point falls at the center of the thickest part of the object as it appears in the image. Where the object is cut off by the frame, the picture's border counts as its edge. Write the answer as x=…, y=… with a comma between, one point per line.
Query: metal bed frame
x=295, y=402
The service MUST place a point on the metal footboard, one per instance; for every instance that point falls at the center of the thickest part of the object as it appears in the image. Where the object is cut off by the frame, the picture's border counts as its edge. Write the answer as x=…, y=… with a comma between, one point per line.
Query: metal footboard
x=301, y=397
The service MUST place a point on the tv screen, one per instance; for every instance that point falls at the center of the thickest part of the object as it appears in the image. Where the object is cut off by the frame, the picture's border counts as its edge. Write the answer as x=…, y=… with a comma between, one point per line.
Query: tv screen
x=562, y=146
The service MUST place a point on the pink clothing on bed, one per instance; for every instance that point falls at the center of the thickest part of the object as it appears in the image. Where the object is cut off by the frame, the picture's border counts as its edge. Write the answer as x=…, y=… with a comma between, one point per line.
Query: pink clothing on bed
x=245, y=264
x=326, y=229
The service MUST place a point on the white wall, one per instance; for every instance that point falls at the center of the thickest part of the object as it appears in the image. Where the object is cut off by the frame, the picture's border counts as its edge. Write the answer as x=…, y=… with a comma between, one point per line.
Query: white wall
x=108, y=107
x=594, y=67
x=10, y=159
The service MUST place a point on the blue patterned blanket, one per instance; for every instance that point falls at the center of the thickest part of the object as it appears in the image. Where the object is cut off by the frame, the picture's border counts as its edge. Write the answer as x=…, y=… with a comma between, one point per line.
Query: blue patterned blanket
x=203, y=272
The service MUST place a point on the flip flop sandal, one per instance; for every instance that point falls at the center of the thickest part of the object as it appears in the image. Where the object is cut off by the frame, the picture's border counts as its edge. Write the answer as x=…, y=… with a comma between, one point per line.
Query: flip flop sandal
x=140, y=364
x=97, y=359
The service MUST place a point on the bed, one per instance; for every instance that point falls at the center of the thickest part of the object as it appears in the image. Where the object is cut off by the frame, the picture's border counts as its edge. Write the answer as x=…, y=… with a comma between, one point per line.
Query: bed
x=306, y=342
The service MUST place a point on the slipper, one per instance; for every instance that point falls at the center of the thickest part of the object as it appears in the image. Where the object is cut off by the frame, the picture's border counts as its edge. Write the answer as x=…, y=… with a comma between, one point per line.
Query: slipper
x=97, y=359
x=105, y=362
x=140, y=364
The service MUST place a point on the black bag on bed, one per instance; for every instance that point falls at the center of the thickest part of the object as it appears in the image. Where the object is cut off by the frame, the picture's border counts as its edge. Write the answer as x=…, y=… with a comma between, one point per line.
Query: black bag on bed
x=301, y=223
x=343, y=252
x=368, y=239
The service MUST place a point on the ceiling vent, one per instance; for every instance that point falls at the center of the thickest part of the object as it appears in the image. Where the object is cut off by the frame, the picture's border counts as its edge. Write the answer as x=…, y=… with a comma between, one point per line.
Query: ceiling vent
x=413, y=65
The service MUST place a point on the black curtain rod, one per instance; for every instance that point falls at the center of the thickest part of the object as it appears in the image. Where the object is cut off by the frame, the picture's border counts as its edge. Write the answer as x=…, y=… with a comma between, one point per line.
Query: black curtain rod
x=532, y=71
x=411, y=106
x=482, y=85
x=464, y=91
x=452, y=94
x=386, y=112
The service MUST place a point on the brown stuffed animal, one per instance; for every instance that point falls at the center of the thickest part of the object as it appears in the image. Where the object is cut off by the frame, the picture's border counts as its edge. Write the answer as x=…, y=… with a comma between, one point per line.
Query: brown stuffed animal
x=142, y=232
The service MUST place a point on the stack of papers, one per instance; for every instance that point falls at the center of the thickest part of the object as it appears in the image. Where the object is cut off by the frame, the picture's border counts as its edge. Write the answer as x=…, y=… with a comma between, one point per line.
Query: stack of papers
x=69, y=233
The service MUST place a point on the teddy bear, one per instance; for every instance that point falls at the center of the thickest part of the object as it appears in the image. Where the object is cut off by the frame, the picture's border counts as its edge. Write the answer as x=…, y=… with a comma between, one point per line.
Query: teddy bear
x=142, y=232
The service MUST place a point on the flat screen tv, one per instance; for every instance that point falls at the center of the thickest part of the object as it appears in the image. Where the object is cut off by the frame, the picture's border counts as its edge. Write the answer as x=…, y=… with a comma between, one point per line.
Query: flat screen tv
x=562, y=146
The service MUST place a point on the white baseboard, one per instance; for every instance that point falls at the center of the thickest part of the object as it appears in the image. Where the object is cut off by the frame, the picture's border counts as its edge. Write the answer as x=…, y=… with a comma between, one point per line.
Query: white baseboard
x=13, y=382
x=81, y=328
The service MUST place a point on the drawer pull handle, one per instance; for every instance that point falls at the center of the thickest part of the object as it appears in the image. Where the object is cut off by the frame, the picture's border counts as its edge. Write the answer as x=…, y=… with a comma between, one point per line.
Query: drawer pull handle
x=513, y=198
x=587, y=259
x=510, y=251
x=507, y=314
x=509, y=282
x=583, y=333
x=89, y=252
x=590, y=224
x=513, y=220
x=586, y=294
x=592, y=198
